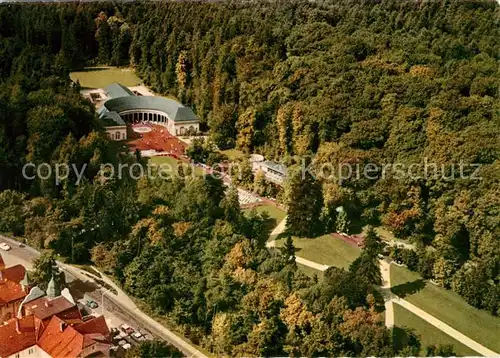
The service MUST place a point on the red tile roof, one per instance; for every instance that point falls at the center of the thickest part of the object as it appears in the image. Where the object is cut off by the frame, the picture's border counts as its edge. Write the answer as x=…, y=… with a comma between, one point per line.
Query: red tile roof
x=2, y=262
x=67, y=343
x=44, y=308
x=14, y=273
x=95, y=325
x=10, y=291
x=71, y=341
x=13, y=341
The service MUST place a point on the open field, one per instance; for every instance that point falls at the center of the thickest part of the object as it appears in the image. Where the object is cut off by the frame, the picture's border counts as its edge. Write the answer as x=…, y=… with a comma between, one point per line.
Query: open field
x=99, y=77
x=325, y=250
x=447, y=306
x=272, y=210
x=233, y=154
x=174, y=163
x=427, y=332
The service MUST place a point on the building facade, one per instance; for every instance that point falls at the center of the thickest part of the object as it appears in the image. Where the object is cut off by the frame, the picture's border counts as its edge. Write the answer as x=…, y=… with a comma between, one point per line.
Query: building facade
x=13, y=290
x=123, y=106
x=46, y=324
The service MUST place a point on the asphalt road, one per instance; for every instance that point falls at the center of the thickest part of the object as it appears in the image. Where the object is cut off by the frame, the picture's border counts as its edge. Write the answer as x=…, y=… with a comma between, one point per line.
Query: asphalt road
x=119, y=307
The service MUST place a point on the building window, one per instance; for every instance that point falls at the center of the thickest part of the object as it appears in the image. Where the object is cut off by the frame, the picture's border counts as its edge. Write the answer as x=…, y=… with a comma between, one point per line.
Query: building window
x=31, y=350
x=17, y=355
x=117, y=136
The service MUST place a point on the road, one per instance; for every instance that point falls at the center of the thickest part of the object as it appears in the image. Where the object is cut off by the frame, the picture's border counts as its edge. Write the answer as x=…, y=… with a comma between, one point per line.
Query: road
x=386, y=292
x=25, y=257
x=280, y=228
x=391, y=298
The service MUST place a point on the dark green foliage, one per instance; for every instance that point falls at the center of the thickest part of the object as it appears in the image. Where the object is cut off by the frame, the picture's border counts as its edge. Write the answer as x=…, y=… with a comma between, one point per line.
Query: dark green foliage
x=367, y=266
x=410, y=258
x=443, y=350
x=372, y=244
x=156, y=348
x=353, y=82
x=289, y=249
x=44, y=269
x=304, y=201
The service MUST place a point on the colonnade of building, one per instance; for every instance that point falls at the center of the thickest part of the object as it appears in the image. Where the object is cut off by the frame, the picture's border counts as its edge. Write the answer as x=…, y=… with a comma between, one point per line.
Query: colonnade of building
x=136, y=117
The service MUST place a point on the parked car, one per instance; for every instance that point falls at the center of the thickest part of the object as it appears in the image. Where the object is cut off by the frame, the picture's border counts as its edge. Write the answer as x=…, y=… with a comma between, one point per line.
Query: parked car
x=127, y=329
x=137, y=336
x=91, y=304
x=4, y=246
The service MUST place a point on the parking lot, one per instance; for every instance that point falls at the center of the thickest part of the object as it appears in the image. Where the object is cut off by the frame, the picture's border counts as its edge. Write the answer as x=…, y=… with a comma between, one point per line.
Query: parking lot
x=125, y=332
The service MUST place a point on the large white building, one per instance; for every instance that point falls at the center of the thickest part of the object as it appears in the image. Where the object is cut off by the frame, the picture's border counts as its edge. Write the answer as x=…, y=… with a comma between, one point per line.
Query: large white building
x=123, y=106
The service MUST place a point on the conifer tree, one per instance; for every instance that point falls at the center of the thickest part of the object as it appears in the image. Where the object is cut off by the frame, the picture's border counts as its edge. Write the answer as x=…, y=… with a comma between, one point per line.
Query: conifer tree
x=305, y=201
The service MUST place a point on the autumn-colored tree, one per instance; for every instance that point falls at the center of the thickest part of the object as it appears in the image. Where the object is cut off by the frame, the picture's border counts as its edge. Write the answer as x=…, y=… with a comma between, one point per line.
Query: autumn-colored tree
x=246, y=130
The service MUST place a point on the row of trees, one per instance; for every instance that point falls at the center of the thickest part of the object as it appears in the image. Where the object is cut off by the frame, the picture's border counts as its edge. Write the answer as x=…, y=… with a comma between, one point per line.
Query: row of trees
x=477, y=282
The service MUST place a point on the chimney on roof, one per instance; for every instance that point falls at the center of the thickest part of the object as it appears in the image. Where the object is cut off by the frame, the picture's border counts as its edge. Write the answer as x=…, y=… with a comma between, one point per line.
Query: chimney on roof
x=62, y=325
x=18, y=328
x=46, y=303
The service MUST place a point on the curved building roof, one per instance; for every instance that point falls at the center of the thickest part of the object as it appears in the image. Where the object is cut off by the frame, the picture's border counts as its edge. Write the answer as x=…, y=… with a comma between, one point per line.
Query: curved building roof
x=174, y=110
x=122, y=99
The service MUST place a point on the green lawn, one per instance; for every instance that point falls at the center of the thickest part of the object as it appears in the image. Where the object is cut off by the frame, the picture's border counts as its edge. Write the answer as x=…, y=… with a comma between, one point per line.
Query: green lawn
x=273, y=211
x=275, y=215
x=427, y=332
x=174, y=163
x=99, y=77
x=233, y=154
x=447, y=306
x=325, y=250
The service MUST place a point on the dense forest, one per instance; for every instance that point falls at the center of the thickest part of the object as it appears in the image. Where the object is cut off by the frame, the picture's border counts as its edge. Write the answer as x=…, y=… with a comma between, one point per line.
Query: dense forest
x=343, y=82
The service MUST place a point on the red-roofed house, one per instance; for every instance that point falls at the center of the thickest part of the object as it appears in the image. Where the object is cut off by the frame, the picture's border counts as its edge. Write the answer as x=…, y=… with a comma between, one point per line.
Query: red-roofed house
x=14, y=273
x=18, y=338
x=12, y=290
x=61, y=340
x=44, y=308
x=47, y=326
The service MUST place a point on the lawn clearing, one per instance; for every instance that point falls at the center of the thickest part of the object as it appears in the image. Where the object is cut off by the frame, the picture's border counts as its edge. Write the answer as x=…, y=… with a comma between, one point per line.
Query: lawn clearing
x=100, y=77
x=326, y=250
x=427, y=332
x=273, y=211
x=174, y=164
x=233, y=154
x=448, y=307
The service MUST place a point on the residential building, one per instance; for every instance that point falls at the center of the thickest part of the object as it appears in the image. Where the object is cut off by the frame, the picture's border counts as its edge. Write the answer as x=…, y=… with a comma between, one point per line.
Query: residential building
x=13, y=289
x=46, y=324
